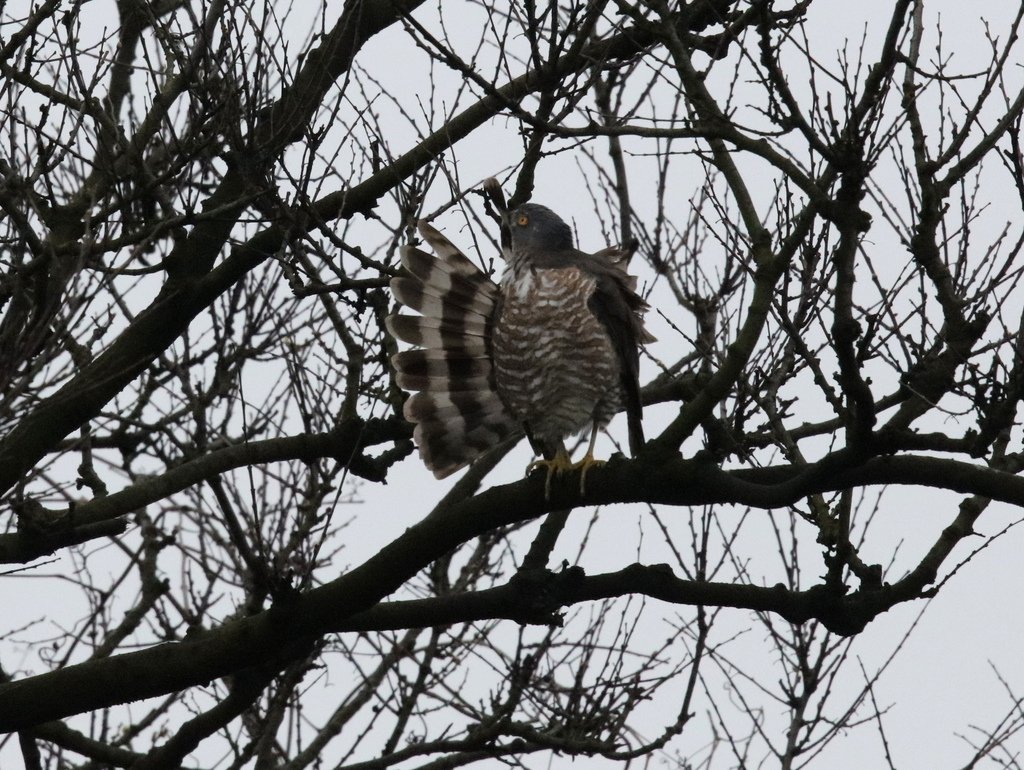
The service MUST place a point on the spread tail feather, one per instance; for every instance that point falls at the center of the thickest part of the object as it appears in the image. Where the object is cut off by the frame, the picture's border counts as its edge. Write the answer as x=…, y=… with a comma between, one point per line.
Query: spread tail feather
x=457, y=411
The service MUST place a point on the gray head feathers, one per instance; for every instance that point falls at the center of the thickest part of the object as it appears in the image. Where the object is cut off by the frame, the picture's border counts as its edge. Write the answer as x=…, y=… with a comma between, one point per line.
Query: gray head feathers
x=536, y=228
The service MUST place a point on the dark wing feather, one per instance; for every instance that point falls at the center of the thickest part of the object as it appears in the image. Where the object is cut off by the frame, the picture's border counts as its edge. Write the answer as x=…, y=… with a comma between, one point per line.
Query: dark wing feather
x=619, y=308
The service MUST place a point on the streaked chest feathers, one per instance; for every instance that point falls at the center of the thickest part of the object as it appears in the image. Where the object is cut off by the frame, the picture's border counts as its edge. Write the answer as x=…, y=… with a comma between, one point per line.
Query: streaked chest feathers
x=555, y=366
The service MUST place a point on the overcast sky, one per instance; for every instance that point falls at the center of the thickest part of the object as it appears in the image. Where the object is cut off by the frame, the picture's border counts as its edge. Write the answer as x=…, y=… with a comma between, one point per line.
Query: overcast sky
x=943, y=680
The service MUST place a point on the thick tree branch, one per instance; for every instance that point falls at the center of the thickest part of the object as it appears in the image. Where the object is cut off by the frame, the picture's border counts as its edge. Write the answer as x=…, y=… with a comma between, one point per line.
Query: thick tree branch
x=184, y=297
x=286, y=630
x=92, y=519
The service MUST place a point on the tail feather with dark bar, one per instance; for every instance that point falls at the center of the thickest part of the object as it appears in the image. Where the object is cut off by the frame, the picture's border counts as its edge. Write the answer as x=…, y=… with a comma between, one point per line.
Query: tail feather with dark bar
x=457, y=411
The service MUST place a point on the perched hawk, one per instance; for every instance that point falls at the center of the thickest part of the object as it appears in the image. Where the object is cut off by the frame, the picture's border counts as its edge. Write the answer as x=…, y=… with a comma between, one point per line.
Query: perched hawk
x=552, y=350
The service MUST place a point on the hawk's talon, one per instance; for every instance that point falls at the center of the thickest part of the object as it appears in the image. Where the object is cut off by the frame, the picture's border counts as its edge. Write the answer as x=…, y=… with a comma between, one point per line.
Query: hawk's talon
x=557, y=465
x=584, y=466
x=562, y=463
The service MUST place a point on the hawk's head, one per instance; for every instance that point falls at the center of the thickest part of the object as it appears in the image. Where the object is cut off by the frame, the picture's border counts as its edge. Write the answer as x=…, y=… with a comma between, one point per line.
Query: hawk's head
x=538, y=229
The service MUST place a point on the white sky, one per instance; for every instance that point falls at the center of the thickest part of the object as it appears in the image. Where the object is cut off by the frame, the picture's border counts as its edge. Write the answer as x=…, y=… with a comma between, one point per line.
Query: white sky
x=942, y=682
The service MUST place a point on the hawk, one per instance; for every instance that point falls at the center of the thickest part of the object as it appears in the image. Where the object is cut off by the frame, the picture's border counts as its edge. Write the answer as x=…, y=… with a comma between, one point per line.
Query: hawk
x=552, y=350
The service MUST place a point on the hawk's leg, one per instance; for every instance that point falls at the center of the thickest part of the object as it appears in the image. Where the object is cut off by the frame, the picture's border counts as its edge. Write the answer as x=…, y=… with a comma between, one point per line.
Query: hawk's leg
x=587, y=462
x=557, y=465
x=562, y=463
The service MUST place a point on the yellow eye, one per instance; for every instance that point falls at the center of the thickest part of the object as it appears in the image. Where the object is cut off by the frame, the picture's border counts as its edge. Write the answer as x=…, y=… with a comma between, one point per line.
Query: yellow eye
x=523, y=220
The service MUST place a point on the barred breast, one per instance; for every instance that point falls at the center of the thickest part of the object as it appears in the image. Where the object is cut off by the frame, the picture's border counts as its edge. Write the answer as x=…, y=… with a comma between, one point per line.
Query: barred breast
x=554, y=364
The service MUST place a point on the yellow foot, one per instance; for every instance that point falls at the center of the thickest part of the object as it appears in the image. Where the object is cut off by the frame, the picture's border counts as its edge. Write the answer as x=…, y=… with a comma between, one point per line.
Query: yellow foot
x=562, y=463
x=557, y=465
x=584, y=466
